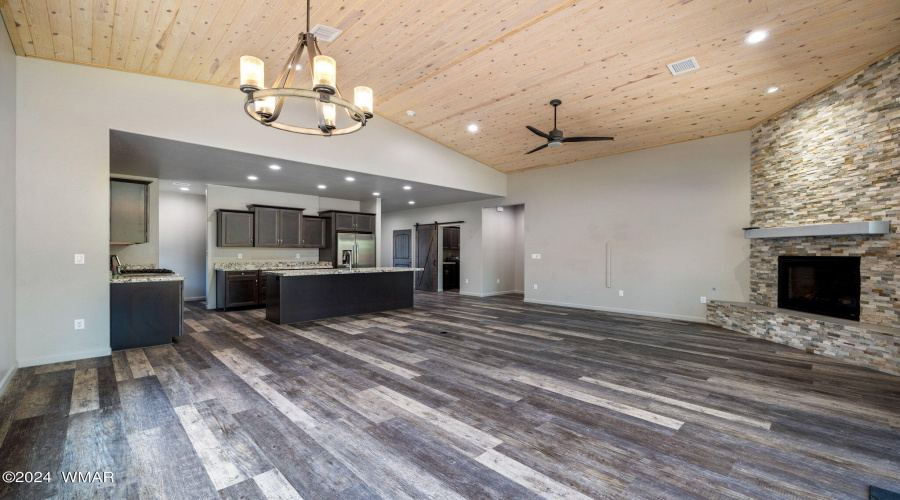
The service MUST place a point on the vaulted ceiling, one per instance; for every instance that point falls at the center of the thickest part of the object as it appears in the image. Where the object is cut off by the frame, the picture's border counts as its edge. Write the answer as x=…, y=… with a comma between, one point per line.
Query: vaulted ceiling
x=497, y=63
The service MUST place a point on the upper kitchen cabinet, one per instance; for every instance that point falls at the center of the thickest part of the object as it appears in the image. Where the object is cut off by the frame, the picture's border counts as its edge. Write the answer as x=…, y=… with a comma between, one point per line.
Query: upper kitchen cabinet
x=128, y=215
x=277, y=227
x=313, y=232
x=351, y=221
x=234, y=228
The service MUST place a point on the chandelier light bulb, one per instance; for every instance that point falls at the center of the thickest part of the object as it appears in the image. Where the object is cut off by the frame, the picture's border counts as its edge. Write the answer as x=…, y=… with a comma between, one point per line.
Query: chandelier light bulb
x=324, y=74
x=329, y=113
x=265, y=107
x=253, y=73
x=364, y=99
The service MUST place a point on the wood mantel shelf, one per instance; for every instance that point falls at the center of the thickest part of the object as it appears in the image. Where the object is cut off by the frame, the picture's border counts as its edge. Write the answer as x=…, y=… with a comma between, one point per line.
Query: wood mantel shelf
x=838, y=229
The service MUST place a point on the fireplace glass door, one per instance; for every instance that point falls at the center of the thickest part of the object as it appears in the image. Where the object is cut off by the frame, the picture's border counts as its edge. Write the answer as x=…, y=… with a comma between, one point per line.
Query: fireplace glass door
x=821, y=285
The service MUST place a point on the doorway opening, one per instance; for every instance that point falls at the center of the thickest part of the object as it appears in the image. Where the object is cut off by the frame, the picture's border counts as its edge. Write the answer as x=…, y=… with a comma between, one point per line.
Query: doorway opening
x=503, y=242
x=450, y=251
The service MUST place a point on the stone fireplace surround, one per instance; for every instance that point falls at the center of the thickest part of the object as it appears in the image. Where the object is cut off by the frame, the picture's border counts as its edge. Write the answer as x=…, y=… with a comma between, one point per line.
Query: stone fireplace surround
x=832, y=158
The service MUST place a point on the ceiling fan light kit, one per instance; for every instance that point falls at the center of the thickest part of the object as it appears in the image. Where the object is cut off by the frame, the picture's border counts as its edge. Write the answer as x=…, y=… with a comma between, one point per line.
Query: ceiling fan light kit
x=265, y=105
x=555, y=138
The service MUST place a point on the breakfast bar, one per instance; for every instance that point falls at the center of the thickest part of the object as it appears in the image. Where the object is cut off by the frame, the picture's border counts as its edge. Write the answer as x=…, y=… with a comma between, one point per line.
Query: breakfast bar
x=311, y=294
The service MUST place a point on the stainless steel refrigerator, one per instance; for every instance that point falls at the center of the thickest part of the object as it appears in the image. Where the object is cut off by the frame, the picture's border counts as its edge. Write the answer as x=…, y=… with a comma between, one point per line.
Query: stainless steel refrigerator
x=355, y=248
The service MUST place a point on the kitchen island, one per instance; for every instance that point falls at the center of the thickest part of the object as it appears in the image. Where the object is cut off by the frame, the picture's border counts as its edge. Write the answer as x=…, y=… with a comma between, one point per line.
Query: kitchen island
x=305, y=295
x=145, y=309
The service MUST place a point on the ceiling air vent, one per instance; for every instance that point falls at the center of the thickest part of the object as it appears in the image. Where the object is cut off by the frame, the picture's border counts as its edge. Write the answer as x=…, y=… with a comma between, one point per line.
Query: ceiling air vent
x=326, y=34
x=689, y=64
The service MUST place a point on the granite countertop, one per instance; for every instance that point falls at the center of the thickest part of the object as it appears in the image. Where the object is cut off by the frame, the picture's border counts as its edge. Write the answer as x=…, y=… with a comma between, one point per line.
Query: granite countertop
x=361, y=270
x=267, y=265
x=147, y=278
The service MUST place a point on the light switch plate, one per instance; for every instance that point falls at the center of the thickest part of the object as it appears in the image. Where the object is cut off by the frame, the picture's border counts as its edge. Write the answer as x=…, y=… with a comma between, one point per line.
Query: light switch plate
x=298, y=255
x=621, y=293
x=79, y=324
x=79, y=258
x=240, y=256
x=467, y=281
x=535, y=286
x=703, y=300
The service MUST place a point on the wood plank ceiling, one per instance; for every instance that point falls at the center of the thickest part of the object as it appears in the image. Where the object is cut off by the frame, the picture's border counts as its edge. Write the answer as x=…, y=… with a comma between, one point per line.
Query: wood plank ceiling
x=497, y=63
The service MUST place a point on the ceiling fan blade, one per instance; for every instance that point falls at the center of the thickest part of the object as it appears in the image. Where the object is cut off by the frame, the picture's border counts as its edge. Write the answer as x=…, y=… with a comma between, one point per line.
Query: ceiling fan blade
x=586, y=139
x=536, y=149
x=538, y=132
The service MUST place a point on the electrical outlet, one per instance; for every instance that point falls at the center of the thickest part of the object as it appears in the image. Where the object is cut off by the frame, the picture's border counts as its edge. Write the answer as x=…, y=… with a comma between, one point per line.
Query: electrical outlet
x=467, y=281
x=703, y=300
x=621, y=293
x=298, y=255
x=535, y=286
x=240, y=256
x=79, y=258
x=498, y=280
x=79, y=324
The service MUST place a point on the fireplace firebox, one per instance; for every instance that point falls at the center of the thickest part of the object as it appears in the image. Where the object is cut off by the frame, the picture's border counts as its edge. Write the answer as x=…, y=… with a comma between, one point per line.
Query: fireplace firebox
x=820, y=285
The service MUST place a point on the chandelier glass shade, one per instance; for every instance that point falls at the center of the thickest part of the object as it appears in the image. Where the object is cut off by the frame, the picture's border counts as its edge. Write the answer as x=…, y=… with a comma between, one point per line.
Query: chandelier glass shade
x=265, y=104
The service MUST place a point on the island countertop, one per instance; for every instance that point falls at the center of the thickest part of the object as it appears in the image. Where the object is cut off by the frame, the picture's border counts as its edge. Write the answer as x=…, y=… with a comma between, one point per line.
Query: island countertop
x=361, y=270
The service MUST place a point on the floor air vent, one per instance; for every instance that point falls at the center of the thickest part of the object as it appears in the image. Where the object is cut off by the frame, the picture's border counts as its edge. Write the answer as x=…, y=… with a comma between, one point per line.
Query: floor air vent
x=689, y=64
x=325, y=33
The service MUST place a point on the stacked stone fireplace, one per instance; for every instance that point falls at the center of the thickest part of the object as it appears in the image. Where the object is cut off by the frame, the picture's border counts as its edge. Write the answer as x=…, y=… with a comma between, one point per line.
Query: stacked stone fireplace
x=833, y=158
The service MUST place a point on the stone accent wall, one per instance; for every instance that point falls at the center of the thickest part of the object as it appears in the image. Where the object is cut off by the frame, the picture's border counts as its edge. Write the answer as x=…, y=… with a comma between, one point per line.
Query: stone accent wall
x=854, y=344
x=833, y=158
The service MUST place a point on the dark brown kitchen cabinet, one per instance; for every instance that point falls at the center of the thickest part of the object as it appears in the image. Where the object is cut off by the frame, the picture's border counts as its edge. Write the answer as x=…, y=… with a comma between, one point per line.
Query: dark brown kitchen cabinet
x=313, y=232
x=236, y=289
x=277, y=227
x=351, y=221
x=234, y=228
x=451, y=238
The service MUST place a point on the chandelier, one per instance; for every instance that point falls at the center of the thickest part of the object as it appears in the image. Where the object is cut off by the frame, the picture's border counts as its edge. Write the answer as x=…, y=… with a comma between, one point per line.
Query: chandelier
x=265, y=105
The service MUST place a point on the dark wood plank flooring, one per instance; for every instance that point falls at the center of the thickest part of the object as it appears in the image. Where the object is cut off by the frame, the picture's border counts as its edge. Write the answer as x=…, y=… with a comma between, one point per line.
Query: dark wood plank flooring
x=460, y=397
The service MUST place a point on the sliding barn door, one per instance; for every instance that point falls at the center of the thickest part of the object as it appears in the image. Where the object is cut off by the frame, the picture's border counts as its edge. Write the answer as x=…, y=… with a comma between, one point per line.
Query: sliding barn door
x=426, y=257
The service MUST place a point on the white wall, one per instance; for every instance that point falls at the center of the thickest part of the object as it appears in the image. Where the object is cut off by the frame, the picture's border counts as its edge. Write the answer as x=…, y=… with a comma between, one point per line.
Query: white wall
x=182, y=239
x=519, y=248
x=143, y=253
x=62, y=171
x=7, y=211
x=673, y=214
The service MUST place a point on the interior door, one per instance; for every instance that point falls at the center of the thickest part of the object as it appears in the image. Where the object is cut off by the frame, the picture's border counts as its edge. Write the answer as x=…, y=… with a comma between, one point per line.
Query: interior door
x=365, y=250
x=402, y=248
x=426, y=257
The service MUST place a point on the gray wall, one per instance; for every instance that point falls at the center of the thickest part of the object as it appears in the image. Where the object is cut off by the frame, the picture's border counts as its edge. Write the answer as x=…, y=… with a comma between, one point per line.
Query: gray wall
x=74, y=173
x=182, y=239
x=470, y=236
x=673, y=215
x=7, y=211
x=519, y=248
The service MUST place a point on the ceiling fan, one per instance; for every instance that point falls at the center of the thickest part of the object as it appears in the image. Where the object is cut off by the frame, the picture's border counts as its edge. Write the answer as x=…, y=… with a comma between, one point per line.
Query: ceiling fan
x=555, y=137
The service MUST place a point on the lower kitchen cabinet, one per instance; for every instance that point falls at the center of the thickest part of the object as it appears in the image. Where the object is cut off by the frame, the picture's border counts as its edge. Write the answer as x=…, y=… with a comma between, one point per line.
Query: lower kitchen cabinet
x=145, y=314
x=237, y=289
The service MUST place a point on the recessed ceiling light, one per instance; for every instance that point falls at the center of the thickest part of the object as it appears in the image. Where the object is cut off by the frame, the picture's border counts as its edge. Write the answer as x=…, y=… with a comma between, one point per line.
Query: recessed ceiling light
x=756, y=36
x=177, y=183
x=376, y=194
x=252, y=177
x=321, y=186
x=185, y=188
x=407, y=187
x=769, y=90
x=349, y=179
x=473, y=128
x=299, y=67
x=412, y=202
x=275, y=167
x=410, y=113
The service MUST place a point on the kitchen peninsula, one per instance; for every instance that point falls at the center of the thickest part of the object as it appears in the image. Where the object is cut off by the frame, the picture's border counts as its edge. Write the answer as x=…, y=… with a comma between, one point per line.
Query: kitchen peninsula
x=305, y=295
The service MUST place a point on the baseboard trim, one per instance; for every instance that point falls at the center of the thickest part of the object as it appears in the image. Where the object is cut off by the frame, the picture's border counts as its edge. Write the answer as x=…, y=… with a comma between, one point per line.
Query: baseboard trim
x=192, y=299
x=489, y=294
x=7, y=378
x=694, y=319
x=62, y=358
